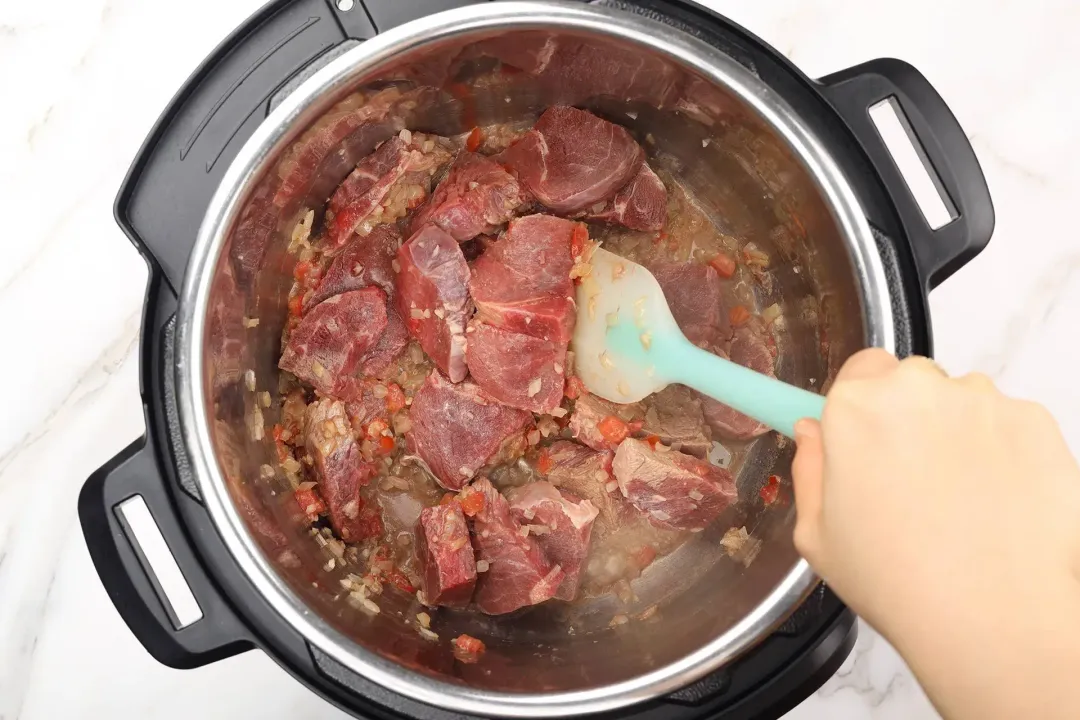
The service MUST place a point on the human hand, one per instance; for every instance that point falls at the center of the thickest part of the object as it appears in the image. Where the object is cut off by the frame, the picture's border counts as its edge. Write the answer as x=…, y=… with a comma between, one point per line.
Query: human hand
x=948, y=516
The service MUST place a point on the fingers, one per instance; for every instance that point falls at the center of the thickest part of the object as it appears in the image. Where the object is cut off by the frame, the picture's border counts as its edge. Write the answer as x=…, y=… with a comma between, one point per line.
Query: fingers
x=866, y=365
x=807, y=470
x=919, y=364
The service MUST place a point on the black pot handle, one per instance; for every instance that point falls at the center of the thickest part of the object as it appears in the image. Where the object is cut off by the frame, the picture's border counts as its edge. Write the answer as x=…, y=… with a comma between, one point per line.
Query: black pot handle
x=128, y=577
x=941, y=252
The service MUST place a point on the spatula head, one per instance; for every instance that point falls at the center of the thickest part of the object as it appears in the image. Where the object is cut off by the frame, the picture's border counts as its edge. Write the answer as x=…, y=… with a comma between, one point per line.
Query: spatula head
x=623, y=327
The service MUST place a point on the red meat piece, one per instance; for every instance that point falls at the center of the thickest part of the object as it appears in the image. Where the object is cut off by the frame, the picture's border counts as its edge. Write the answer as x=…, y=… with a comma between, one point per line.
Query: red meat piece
x=587, y=474
x=433, y=297
x=562, y=525
x=392, y=343
x=363, y=262
x=749, y=349
x=384, y=186
x=447, y=562
x=693, y=291
x=475, y=198
x=341, y=137
x=456, y=429
x=332, y=340
x=675, y=491
x=589, y=410
x=522, y=283
x=518, y=572
x=571, y=160
x=517, y=370
x=341, y=470
x=640, y=205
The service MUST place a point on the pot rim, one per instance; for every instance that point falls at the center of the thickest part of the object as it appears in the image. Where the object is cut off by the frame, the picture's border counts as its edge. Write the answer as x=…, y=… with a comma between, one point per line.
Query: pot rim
x=309, y=101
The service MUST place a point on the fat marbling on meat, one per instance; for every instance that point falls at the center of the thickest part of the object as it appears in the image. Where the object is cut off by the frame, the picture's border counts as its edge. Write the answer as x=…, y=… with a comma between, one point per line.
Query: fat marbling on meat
x=518, y=573
x=433, y=297
x=571, y=159
x=446, y=558
x=334, y=338
x=676, y=491
x=477, y=196
x=457, y=429
x=562, y=524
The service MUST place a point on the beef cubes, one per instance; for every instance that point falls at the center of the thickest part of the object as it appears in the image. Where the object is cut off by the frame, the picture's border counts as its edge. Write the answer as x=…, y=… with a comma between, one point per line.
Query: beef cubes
x=341, y=471
x=433, y=297
x=562, y=525
x=640, y=205
x=572, y=160
x=518, y=572
x=517, y=370
x=477, y=197
x=447, y=562
x=676, y=491
x=334, y=338
x=363, y=262
x=456, y=429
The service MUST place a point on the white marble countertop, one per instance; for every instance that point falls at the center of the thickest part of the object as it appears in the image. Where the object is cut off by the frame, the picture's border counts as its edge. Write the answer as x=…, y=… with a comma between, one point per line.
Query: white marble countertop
x=82, y=82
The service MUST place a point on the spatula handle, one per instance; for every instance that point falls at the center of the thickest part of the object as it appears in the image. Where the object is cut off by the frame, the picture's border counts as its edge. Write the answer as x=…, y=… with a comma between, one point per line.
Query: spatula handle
x=767, y=400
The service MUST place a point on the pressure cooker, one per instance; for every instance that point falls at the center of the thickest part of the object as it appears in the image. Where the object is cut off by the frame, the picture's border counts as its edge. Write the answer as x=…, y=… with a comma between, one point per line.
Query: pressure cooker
x=797, y=164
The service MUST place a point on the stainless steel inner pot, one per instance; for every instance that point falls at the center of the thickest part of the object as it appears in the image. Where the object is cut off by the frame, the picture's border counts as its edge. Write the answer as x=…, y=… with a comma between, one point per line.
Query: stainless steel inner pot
x=752, y=165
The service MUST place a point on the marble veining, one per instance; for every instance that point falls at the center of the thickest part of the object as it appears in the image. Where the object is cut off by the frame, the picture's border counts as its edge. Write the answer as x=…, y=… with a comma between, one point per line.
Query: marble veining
x=84, y=80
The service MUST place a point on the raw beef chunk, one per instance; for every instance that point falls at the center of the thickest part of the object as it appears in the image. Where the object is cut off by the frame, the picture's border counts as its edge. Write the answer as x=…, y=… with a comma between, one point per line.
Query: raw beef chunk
x=456, y=429
x=476, y=197
x=522, y=283
x=587, y=474
x=640, y=205
x=394, y=340
x=693, y=292
x=433, y=297
x=571, y=160
x=562, y=525
x=365, y=261
x=447, y=563
x=385, y=185
x=518, y=572
x=341, y=470
x=332, y=340
x=674, y=490
x=517, y=370
x=589, y=410
x=749, y=349
x=675, y=416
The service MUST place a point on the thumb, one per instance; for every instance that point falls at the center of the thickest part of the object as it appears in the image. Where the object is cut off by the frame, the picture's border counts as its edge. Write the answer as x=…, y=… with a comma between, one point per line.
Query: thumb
x=807, y=471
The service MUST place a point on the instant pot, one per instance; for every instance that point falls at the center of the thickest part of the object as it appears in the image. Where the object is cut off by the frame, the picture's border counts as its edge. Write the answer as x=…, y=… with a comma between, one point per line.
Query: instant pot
x=794, y=164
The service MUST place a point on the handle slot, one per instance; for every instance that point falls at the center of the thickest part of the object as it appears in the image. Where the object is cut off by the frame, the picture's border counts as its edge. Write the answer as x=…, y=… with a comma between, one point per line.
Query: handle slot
x=158, y=562
x=908, y=153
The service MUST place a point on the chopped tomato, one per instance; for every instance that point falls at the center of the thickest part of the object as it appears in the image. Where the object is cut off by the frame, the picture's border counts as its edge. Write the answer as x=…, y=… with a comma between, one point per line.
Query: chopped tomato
x=544, y=462
x=296, y=305
x=724, y=265
x=644, y=556
x=399, y=580
x=302, y=270
x=387, y=444
x=395, y=397
x=474, y=140
x=578, y=240
x=634, y=426
x=467, y=649
x=771, y=490
x=613, y=429
x=652, y=440
x=739, y=315
x=278, y=431
x=471, y=503
x=310, y=503
x=575, y=388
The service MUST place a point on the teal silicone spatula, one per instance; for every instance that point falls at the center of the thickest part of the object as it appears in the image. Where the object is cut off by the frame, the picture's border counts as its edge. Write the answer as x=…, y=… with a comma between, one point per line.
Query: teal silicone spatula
x=627, y=346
